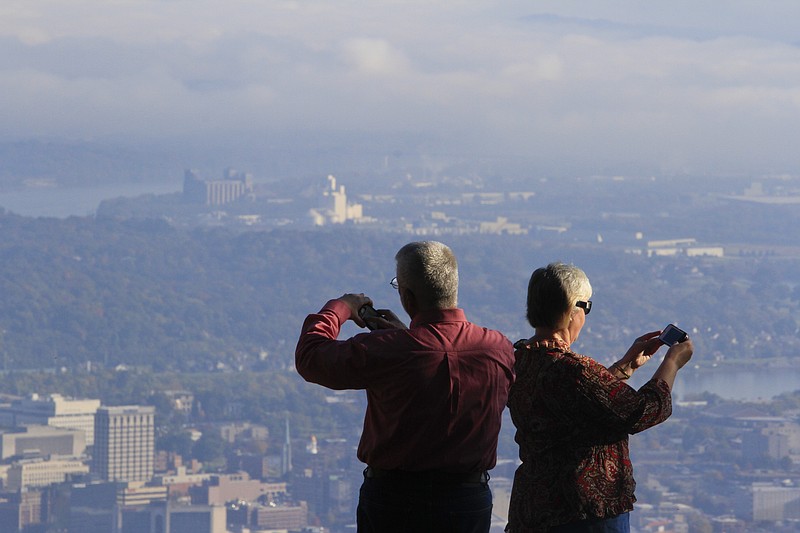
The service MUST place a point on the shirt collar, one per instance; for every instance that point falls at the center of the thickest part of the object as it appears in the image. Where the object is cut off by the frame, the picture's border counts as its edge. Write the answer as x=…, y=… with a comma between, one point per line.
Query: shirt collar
x=533, y=344
x=438, y=315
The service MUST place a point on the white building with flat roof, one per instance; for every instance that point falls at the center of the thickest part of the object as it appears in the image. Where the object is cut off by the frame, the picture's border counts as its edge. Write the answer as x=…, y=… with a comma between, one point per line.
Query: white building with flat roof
x=52, y=410
x=772, y=503
x=42, y=472
x=41, y=441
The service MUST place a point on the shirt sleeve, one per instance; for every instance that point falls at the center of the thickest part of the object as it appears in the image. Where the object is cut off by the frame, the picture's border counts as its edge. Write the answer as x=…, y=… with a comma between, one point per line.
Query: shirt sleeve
x=618, y=406
x=321, y=359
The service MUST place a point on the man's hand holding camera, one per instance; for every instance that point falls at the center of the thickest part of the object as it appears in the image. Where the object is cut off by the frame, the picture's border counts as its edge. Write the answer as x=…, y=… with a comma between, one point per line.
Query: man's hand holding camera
x=365, y=316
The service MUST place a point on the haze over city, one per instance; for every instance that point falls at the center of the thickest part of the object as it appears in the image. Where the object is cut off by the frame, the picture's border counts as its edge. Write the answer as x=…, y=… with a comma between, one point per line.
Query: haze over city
x=183, y=182
x=610, y=87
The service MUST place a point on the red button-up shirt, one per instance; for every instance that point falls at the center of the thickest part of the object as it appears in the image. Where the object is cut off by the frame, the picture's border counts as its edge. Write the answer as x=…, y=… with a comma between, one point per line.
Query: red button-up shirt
x=435, y=392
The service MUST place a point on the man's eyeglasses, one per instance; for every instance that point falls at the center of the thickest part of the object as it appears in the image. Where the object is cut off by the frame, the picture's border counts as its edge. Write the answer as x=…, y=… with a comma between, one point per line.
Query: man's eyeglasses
x=586, y=306
x=394, y=283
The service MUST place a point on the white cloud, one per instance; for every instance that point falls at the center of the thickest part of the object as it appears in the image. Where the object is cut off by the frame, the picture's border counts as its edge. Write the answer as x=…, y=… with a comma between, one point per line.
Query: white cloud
x=375, y=56
x=691, y=87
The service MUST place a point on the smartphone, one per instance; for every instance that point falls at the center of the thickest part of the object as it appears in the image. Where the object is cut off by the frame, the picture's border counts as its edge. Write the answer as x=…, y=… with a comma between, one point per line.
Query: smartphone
x=672, y=334
x=366, y=312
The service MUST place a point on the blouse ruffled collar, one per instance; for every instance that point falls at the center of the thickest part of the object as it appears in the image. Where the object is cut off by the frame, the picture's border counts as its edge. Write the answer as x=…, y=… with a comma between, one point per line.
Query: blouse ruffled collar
x=534, y=343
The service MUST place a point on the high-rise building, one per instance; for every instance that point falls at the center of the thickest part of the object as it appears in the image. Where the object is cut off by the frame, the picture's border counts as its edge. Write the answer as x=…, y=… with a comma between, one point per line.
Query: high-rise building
x=334, y=207
x=124, y=443
x=91, y=507
x=23, y=511
x=233, y=186
x=52, y=410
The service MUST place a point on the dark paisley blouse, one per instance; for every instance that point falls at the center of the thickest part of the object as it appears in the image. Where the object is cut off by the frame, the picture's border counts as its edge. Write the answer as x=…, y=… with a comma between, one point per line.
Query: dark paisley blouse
x=573, y=418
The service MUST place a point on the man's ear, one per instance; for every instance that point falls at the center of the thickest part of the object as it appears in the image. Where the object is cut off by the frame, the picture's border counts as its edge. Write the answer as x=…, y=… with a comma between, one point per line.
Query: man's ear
x=409, y=301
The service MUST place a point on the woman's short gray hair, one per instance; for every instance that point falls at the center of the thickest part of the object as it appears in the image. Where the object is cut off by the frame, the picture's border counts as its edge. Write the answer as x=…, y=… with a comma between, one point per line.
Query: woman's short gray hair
x=430, y=270
x=553, y=291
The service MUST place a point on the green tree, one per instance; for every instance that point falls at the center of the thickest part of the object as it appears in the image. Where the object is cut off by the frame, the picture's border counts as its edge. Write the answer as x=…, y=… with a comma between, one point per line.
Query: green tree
x=210, y=447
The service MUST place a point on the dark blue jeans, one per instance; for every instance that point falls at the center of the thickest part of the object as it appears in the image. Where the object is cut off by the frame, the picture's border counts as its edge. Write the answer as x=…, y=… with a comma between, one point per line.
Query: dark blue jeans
x=616, y=524
x=388, y=506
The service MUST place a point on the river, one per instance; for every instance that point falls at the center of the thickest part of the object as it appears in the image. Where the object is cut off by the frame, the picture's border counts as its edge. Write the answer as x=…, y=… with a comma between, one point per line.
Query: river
x=62, y=202
x=733, y=383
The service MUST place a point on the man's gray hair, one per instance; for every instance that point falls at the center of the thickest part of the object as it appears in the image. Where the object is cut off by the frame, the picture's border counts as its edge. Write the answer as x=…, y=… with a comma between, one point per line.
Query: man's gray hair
x=430, y=270
x=553, y=291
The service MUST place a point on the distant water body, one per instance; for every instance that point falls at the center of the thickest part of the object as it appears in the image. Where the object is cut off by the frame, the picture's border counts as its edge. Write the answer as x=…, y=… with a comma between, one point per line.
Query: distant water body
x=63, y=202
x=732, y=383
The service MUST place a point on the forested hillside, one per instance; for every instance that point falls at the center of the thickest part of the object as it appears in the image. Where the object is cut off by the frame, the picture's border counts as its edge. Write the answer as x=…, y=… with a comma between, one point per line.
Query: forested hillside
x=143, y=293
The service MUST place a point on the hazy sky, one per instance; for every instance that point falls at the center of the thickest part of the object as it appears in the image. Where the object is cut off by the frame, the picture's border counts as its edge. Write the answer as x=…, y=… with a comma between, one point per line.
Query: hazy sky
x=681, y=86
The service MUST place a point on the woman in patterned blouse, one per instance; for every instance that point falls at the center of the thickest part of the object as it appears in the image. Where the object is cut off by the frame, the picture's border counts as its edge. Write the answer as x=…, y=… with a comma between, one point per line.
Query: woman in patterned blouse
x=573, y=416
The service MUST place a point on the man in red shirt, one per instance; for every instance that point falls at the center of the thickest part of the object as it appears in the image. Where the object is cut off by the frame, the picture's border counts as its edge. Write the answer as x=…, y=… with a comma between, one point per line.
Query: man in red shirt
x=435, y=395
